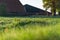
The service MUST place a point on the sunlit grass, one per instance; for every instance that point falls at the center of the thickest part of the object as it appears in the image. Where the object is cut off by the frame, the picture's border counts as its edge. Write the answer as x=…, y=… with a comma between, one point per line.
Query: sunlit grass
x=25, y=28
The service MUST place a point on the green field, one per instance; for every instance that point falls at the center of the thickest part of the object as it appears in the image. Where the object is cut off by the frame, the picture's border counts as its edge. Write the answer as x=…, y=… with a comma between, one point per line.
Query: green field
x=29, y=28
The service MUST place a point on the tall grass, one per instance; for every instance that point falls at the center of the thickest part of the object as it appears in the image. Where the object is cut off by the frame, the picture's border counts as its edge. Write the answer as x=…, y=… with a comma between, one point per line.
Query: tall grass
x=29, y=28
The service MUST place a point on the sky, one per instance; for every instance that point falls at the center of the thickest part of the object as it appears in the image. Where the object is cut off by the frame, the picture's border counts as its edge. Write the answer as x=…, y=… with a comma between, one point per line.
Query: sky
x=35, y=3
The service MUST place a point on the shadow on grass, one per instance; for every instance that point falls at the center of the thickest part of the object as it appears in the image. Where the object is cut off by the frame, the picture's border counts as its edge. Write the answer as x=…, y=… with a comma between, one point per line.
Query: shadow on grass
x=41, y=23
x=34, y=16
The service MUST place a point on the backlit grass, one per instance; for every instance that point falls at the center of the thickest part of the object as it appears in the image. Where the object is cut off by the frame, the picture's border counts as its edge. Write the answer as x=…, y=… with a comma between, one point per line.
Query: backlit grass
x=27, y=28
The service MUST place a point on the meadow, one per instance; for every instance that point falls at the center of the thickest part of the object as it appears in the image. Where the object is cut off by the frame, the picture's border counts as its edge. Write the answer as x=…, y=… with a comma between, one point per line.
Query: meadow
x=29, y=28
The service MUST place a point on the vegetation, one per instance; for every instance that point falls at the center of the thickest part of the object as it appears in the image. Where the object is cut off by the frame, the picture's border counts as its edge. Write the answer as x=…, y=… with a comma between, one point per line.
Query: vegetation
x=29, y=28
x=53, y=4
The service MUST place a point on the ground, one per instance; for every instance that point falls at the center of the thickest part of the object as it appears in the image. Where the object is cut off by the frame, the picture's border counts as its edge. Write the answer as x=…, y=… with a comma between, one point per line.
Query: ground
x=29, y=28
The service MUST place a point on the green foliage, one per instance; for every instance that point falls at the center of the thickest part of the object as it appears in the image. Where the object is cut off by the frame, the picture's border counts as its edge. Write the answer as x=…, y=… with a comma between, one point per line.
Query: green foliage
x=53, y=4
